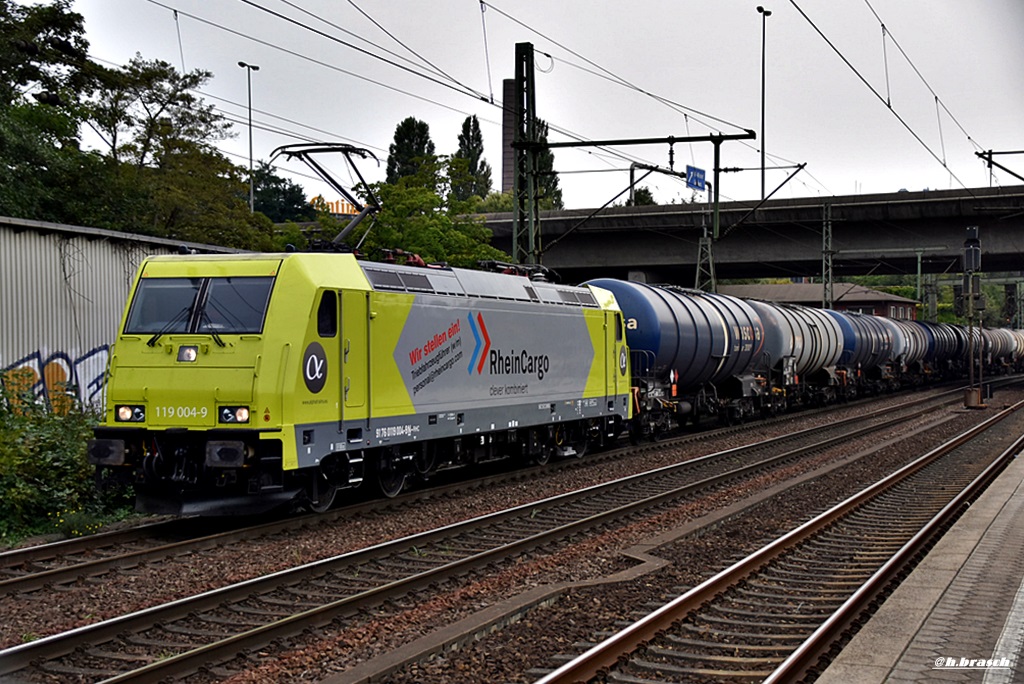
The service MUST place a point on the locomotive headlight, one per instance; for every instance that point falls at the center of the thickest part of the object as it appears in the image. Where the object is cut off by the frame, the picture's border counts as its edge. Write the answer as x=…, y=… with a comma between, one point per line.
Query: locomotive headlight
x=188, y=354
x=129, y=414
x=234, y=414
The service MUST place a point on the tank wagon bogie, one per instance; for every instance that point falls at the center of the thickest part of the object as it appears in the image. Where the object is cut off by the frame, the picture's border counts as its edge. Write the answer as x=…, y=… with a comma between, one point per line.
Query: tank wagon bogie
x=239, y=383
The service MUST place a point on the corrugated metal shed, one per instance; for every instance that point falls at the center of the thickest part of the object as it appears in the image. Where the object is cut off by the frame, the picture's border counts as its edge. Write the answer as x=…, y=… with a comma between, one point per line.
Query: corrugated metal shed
x=62, y=293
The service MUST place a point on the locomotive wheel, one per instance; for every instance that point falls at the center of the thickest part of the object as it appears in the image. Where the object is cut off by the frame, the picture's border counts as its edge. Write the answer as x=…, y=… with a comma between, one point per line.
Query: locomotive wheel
x=563, y=439
x=322, y=487
x=391, y=473
x=425, y=462
x=321, y=501
x=322, y=494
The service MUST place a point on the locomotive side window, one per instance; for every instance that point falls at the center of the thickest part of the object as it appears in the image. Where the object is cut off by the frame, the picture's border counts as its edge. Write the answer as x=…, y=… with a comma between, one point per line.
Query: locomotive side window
x=235, y=305
x=162, y=305
x=327, y=315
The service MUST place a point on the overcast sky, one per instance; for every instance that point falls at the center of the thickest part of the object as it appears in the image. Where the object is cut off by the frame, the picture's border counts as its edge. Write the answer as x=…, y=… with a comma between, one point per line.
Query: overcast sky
x=702, y=57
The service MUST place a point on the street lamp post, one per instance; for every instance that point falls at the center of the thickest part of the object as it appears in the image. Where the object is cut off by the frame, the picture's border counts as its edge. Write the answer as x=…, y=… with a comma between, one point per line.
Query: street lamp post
x=249, y=68
x=764, y=16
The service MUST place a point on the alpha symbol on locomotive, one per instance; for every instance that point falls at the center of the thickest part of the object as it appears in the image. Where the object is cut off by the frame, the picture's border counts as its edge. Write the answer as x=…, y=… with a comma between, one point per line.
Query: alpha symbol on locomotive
x=314, y=367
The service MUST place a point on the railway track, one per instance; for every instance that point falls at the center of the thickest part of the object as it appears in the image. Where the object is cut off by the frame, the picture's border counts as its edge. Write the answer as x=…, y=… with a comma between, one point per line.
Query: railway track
x=188, y=634
x=89, y=558
x=776, y=615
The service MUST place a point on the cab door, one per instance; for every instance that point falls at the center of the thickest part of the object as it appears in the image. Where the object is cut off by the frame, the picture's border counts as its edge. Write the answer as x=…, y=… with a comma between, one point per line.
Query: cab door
x=620, y=361
x=355, y=358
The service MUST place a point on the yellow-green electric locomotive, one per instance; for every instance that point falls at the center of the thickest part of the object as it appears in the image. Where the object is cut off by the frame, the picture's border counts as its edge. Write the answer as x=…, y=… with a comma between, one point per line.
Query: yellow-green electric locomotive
x=240, y=383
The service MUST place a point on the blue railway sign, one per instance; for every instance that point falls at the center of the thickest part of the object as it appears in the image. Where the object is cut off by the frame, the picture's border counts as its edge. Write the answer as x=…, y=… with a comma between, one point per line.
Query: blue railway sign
x=694, y=178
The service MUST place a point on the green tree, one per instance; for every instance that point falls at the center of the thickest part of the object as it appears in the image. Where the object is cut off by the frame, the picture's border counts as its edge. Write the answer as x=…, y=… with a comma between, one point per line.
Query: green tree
x=495, y=202
x=38, y=162
x=642, y=196
x=411, y=148
x=549, y=195
x=43, y=72
x=421, y=215
x=280, y=199
x=170, y=180
x=42, y=51
x=197, y=195
x=138, y=107
x=471, y=149
x=157, y=173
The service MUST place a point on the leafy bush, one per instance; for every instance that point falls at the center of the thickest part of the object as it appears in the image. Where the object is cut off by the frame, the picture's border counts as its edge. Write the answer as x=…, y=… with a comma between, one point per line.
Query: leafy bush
x=43, y=470
x=75, y=523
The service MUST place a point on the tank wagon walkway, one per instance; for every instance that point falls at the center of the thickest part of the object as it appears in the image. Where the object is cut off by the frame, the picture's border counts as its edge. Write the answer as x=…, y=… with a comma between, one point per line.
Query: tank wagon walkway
x=963, y=603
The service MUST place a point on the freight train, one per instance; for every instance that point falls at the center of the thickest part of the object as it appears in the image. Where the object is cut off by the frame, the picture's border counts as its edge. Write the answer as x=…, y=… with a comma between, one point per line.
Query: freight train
x=241, y=383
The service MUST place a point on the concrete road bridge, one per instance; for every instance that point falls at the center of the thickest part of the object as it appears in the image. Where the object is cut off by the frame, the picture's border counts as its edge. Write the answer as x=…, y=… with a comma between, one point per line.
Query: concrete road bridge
x=894, y=233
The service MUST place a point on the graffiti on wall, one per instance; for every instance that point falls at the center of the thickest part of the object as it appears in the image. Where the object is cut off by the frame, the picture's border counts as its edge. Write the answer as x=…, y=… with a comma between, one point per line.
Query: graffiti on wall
x=50, y=374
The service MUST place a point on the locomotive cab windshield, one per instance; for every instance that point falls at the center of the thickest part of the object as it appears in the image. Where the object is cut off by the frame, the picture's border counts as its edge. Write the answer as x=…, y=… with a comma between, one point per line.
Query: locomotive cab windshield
x=221, y=305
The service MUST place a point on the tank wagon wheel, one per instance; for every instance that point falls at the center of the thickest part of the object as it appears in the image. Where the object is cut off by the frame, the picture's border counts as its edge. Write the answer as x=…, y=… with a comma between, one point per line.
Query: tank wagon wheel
x=322, y=486
x=391, y=472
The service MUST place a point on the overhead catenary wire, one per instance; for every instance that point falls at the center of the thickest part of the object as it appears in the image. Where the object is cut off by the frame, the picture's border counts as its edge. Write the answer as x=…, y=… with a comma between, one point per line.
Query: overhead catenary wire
x=181, y=49
x=311, y=60
x=554, y=127
x=423, y=59
x=286, y=36
x=606, y=73
x=469, y=92
x=919, y=75
x=878, y=95
x=487, y=51
x=885, y=65
x=355, y=35
x=333, y=67
x=293, y=122
x=461, y=89
x=456, y=86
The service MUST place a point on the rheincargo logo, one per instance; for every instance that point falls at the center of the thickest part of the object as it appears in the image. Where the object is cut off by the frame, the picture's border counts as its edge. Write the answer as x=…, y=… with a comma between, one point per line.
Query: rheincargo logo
x=480, y=350
x=512, y=363
x=523, y=363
